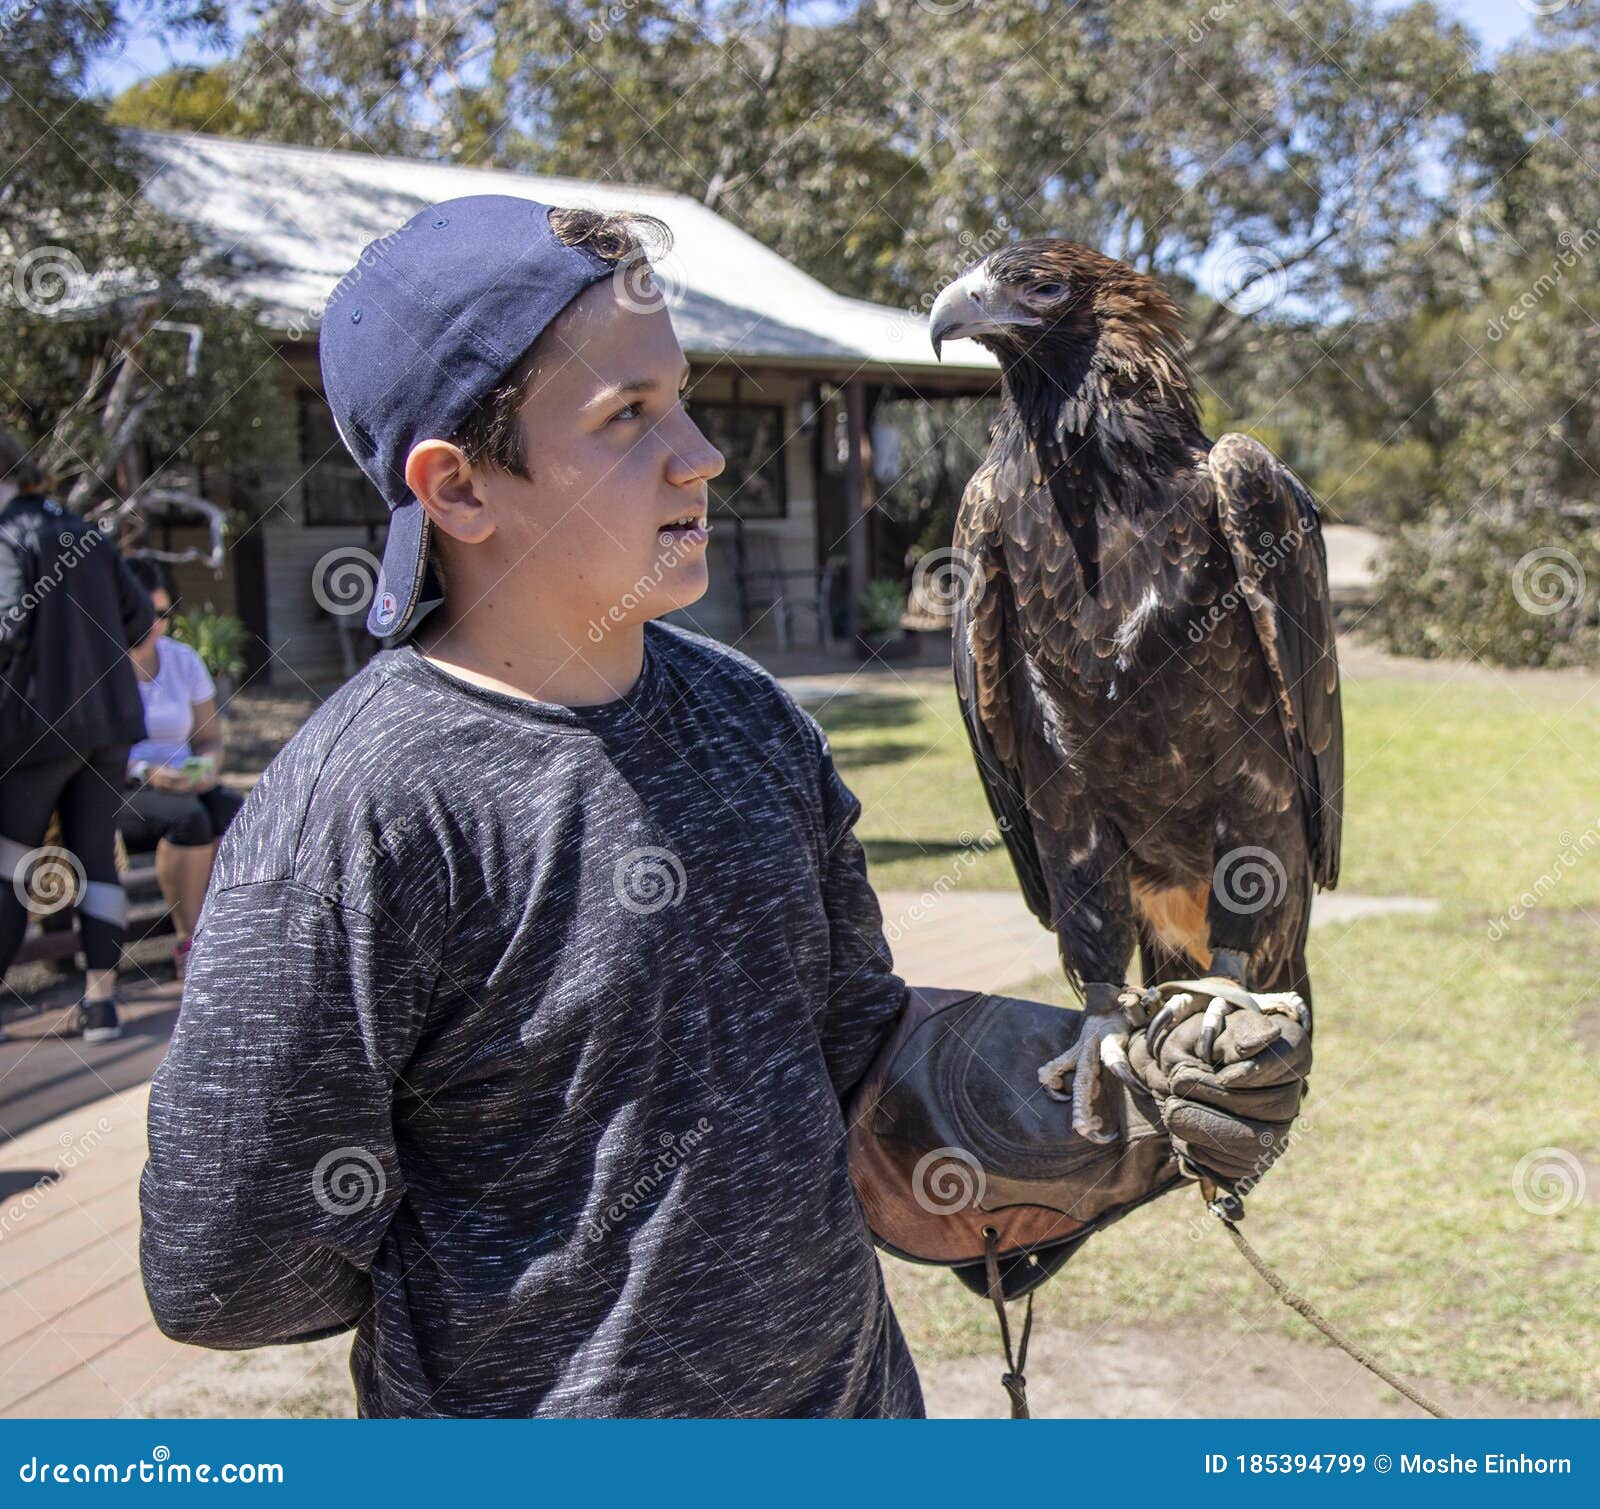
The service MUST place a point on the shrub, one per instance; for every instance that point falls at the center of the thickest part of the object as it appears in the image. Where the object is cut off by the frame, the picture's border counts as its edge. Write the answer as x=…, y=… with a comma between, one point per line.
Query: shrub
x=1511, y=591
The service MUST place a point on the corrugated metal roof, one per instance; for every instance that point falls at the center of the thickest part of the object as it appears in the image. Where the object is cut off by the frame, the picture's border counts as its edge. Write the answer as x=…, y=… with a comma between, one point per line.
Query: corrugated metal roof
x=293, y=220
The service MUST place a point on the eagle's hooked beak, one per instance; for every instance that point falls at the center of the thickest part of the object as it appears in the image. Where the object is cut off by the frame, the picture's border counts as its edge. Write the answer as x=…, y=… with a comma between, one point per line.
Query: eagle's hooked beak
x=975, y=305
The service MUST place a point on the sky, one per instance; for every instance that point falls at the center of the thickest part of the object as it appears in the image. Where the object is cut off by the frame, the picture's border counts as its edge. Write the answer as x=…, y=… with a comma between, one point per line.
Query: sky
x=1497, y=22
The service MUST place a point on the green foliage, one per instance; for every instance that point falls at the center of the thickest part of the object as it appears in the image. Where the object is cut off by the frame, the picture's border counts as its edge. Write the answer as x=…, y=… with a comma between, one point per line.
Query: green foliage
x=880, y=607
x=1513, y=590
x=217, y=638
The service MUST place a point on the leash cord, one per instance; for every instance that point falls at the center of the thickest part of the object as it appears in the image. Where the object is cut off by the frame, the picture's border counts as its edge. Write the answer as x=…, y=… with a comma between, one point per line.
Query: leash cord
x=1012, y=1380
x=1305, y=1308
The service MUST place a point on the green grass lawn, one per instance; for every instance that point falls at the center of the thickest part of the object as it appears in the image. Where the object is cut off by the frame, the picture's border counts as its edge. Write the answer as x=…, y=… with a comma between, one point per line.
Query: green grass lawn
x=1449, y=1048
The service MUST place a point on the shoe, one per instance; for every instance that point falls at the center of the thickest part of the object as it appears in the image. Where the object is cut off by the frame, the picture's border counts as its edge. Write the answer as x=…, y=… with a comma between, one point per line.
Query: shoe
x=98, y=1019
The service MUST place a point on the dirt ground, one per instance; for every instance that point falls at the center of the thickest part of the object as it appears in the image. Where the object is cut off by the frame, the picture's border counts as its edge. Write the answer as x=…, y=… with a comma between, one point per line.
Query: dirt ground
x=1139, y=1372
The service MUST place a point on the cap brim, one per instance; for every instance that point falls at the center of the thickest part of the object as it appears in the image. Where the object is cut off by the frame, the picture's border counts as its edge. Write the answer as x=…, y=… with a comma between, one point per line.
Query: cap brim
x=399, y=602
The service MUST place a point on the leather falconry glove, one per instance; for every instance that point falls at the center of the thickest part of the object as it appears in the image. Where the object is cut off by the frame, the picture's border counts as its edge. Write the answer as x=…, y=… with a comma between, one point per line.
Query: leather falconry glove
x=1228, y=1079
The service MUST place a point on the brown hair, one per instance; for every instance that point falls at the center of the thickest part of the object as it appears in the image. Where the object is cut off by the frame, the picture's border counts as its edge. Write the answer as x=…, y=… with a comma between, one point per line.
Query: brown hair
x=491, y=432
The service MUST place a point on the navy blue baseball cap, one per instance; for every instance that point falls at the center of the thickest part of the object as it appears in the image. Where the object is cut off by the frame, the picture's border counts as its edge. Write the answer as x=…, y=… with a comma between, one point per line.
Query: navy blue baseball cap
x=429, y=321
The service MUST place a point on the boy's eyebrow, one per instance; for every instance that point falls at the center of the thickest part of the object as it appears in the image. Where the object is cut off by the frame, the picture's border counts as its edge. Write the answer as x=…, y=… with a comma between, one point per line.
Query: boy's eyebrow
x=632, y=386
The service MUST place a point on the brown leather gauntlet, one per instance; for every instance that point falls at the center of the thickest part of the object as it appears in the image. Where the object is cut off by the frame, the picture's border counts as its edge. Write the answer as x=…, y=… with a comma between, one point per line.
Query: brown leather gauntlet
x=951, y=1133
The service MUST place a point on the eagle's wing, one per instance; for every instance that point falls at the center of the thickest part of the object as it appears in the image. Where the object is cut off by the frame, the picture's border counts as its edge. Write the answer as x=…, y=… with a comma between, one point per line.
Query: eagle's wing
x=1270, y=523
x=989, y=684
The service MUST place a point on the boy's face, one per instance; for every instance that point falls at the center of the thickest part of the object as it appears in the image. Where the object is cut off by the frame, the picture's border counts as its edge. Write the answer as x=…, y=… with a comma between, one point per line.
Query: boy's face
x=614, y=458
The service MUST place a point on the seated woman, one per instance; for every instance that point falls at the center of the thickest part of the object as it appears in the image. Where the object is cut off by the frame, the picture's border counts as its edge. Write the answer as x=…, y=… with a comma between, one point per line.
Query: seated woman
x=173, y=800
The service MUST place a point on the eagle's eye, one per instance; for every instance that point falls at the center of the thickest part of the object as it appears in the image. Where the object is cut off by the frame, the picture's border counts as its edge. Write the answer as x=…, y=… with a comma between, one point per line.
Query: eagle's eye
x=1046, y=293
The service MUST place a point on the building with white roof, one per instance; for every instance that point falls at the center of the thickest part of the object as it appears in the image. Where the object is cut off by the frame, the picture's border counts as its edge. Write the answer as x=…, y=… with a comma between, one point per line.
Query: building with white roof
x=786, y=373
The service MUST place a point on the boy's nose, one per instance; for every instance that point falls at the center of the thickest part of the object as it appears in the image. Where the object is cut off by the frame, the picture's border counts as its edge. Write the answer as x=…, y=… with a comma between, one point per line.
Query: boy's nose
x=692, y=457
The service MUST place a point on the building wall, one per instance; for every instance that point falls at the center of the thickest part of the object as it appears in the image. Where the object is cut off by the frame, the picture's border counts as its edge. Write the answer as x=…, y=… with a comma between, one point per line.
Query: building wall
x=306, y=641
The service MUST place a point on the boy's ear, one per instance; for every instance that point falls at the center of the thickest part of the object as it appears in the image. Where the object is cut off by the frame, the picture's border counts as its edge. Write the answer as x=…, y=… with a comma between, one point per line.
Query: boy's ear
x=441, y=478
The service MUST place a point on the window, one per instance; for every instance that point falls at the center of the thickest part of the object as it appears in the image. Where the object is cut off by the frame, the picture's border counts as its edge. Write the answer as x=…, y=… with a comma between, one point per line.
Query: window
x=753, y=484
x=333, y=489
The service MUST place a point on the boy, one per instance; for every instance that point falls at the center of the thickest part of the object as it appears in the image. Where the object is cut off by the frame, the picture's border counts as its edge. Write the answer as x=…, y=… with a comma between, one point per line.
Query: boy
x=535, y=971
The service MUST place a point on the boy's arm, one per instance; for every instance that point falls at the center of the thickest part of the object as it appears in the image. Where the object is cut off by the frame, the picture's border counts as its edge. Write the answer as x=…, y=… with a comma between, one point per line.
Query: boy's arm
x=864, y=993
x=272, y=1173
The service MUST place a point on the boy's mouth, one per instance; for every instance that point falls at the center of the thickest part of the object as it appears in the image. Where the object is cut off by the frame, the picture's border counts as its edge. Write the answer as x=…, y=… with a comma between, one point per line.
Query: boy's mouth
x=689, y=529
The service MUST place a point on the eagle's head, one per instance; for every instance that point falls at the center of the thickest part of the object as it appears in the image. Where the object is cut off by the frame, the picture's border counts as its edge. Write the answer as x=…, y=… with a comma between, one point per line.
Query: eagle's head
x=1057, y=314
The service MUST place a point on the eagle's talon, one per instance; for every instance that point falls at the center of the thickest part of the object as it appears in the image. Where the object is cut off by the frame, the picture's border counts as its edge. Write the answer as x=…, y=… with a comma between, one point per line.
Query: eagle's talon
x=1084, y=1061
x=1178, y=1009
x=1216, y=1014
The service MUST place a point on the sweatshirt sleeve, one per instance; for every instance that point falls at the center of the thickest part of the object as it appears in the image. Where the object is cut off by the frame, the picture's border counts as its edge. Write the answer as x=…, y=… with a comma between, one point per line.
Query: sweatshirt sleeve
x=864, y=993
x=273, y=1171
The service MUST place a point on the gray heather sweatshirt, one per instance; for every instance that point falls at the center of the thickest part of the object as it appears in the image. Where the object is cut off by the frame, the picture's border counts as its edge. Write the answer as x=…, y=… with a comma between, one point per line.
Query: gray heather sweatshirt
x=515, y=1036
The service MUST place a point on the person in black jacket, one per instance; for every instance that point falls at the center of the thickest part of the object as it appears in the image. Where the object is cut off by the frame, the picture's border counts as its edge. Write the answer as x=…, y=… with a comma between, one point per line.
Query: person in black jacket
x=69, y=710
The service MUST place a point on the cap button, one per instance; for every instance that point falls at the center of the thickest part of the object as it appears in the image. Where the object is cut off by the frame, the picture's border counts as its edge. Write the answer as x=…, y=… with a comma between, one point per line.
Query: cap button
x=440, y=223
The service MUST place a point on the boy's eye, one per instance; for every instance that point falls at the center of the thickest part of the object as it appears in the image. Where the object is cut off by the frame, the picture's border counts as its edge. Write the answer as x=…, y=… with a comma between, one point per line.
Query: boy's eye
x=627, y=411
